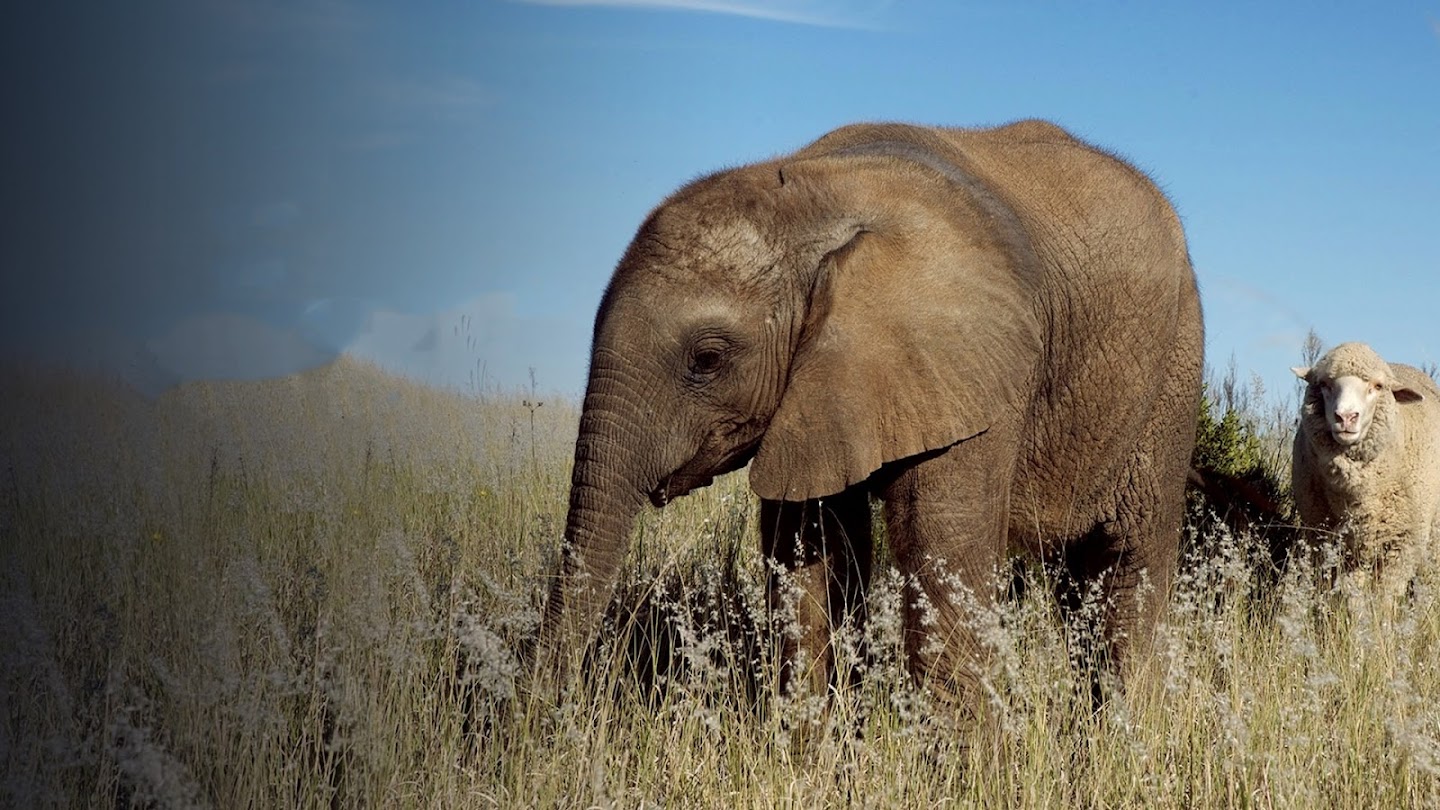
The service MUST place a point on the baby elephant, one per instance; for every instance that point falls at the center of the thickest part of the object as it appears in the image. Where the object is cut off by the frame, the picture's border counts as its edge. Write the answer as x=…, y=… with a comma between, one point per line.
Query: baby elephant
x=1367, y=464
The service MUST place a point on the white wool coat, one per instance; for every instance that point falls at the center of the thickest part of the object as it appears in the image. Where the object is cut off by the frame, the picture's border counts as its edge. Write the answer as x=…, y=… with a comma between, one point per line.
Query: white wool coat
x=1381, y=494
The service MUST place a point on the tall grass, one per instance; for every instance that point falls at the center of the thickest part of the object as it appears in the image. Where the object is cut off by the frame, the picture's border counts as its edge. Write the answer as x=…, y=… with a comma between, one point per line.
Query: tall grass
x=310, y=592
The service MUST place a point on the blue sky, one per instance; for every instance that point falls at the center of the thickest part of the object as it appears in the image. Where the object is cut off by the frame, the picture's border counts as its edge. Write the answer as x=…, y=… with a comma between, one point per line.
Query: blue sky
x=227, y=188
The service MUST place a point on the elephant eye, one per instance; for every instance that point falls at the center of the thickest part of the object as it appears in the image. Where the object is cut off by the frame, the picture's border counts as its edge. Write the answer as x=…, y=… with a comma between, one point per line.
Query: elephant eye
x=706, y=361
x=709, y=352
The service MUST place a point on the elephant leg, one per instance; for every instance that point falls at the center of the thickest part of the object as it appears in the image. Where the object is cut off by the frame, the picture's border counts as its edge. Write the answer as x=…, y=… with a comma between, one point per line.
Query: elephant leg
x=946, y=519
x=1093, y=576
x=1128, y=556
x=1120, y=575
x=821, y=550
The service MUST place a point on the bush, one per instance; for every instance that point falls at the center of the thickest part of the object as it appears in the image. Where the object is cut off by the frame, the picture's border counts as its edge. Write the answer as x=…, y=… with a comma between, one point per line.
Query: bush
x=1228, y=445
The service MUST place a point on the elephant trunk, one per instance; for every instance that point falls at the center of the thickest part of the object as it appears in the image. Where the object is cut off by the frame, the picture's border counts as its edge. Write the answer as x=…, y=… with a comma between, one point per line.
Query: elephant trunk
x=608, y=487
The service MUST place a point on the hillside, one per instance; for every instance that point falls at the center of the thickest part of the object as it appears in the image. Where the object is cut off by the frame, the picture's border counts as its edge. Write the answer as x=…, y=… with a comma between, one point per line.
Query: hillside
x=329, y=416
x=100, y=455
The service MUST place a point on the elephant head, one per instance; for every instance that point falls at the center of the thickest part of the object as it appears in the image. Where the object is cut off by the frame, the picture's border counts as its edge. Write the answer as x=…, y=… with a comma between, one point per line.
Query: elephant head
x=822, y=314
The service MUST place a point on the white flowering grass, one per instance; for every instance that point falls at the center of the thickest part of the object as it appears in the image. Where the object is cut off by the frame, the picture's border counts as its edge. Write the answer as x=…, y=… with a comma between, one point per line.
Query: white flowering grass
x=314, y=592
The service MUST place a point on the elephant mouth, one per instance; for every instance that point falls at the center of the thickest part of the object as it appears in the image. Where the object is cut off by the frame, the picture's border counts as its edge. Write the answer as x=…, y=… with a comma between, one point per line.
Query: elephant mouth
x=676, y=485
x=684, y=481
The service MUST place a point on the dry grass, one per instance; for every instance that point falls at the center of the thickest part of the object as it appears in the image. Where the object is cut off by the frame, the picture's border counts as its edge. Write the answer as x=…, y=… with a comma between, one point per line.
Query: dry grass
x=308, y=592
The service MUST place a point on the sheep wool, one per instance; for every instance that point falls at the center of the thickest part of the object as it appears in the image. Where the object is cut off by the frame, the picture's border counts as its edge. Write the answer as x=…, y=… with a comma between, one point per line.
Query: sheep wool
x=1366, y=466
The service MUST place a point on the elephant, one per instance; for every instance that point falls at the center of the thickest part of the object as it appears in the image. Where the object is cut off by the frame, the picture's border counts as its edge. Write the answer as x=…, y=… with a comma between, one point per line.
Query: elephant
x=994, y=331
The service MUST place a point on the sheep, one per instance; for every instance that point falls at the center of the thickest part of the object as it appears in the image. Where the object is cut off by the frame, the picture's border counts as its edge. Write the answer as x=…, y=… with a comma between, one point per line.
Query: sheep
x=1367, y=466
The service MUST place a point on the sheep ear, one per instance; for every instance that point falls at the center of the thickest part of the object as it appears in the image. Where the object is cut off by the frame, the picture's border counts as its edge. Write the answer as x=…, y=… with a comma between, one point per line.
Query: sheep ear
x=1405, y=395
x=1303, y=372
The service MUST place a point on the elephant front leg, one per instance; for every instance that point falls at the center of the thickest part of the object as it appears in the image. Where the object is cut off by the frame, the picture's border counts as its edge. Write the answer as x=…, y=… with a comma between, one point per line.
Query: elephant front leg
x=946, y=519
x=820, y=555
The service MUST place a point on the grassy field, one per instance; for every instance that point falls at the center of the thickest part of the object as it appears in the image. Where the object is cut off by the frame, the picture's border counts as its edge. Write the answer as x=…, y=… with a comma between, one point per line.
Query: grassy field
x=308, y=592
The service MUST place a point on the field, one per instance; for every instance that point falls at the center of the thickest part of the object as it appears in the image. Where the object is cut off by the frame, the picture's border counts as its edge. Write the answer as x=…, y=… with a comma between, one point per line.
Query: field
x=310, y=592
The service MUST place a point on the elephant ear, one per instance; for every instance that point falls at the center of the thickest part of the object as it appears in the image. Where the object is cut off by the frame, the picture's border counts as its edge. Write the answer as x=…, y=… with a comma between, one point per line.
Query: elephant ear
x=916, y=338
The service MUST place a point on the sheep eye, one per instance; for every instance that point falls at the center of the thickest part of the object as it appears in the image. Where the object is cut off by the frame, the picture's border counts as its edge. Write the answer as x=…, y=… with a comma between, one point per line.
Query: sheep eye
x=1376, y=386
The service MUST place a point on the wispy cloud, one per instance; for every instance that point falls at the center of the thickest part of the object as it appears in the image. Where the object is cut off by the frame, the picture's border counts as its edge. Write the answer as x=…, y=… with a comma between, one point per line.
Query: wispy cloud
x=403, y=110
x=798, y=12
x=1245, y=293
x=477, y=343
x=447, y=93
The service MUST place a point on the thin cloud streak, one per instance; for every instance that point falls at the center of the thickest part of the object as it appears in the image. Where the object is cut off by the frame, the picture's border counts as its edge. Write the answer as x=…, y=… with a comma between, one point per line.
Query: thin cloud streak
x=793, y=13
x=452, y=93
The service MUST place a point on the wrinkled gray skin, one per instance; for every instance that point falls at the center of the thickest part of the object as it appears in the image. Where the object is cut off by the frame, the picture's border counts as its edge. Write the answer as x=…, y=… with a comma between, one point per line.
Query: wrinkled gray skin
x=994, y=331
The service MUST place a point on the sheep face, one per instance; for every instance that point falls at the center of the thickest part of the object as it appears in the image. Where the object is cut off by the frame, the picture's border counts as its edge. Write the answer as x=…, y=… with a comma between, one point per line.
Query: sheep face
x=1349, y=406
x=1347, y=388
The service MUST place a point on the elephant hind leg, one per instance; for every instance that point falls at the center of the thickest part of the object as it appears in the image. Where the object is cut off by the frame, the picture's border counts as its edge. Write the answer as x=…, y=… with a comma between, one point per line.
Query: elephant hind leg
x=1113, y=591
x=821, y=558
x=1089, y=578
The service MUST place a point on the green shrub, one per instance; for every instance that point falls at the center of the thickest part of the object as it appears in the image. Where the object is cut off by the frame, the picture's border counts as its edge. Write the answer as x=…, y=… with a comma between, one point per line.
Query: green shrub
x=1227, y=445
